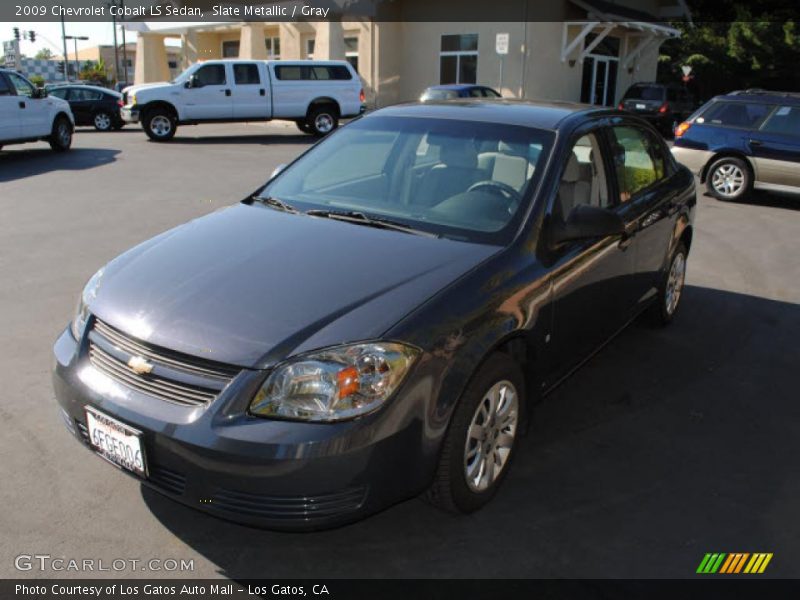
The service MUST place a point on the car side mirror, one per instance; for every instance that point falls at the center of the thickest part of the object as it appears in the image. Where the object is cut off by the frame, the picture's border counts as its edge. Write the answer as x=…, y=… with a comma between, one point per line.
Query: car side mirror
x=39, y=93
x=193, y=82
x=588, y=222
x=277, y=170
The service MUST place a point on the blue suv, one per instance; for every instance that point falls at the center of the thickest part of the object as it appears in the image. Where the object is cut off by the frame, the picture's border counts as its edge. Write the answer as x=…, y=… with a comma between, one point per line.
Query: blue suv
x=743, y=140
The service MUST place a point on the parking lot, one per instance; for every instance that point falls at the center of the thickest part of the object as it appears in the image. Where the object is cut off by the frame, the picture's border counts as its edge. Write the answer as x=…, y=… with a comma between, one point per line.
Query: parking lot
x=667, y=445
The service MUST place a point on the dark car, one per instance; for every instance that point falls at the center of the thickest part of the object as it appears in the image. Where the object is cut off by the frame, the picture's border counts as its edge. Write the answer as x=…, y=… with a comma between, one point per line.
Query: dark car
x=663, y=105
x=92, y=105
x=743, y=140
x=378, y=319
x=457, y=90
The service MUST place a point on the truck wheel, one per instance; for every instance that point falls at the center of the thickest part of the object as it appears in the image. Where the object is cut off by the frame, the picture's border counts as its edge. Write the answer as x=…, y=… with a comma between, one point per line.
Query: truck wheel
x=159, y=124
x=61, y=137
x=102, y=121
x=303, y=126
x=729, y=178
x=322, y=120
x=480, y=441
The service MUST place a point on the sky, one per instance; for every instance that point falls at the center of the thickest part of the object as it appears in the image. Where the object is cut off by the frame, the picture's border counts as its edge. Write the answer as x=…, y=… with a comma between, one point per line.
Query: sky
x=48, y=34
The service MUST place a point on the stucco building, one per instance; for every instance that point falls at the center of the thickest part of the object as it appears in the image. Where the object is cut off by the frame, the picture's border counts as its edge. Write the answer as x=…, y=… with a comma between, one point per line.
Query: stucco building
x=116, y=72
x=583, y=50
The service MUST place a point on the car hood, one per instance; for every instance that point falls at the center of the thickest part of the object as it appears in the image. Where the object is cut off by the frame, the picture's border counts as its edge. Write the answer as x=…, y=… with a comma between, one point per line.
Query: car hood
x=135, y=89
x=250, y=286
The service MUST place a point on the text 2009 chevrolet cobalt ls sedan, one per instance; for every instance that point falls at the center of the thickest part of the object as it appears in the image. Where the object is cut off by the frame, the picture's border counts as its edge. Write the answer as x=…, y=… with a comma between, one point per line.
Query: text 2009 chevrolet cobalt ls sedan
x=376, y=320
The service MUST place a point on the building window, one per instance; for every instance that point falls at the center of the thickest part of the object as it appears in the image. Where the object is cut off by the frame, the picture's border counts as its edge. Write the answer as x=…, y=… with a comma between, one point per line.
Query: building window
x=230, y=49
x=310, y=47
x=351, y=51
x=173, y=64
x=273, y=47
x=129, y=62
x=458, y=59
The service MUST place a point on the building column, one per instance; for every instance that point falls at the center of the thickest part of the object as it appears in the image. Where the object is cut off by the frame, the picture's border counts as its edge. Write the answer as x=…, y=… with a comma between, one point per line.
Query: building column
x=251, y=42
x=188, y=49
x=290, y=41
x=151, y=59
x=329, y=44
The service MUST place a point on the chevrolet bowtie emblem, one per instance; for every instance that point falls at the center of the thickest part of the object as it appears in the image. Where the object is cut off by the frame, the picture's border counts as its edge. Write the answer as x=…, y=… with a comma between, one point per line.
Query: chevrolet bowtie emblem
x=139, y=365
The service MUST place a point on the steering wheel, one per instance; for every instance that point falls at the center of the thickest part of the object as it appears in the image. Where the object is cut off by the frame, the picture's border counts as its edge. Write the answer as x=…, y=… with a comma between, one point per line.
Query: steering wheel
x=499, y=188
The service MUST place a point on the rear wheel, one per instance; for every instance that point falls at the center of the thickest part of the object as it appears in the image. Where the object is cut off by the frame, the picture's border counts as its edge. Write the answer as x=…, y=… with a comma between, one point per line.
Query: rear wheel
x=670, y=289
x=102, y=121
x=481, y=439
x=159, y=124
x=61, y=136
x=322, y=119
x=729, y=178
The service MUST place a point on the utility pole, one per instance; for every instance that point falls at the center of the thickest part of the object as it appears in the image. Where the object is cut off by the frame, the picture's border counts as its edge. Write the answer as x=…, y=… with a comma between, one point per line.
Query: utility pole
x=64, y=41
x=124, y=45
x=75, y=39
x=116, y=46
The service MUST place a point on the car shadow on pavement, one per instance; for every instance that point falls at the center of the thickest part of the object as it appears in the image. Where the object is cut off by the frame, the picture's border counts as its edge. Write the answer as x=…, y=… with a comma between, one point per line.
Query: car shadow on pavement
x=18, y=164
x=668, y=444
x=261, y=139
x=766, y=199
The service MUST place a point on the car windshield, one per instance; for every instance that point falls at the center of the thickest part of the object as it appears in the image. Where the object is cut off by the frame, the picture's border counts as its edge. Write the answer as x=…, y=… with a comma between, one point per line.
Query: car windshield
x=645, y=92
x=465, y=180
x=439, y=95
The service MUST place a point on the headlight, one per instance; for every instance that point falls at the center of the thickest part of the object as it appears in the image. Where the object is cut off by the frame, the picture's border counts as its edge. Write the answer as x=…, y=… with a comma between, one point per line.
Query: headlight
x=132, y=99
x=82, y=310
x=334, y=384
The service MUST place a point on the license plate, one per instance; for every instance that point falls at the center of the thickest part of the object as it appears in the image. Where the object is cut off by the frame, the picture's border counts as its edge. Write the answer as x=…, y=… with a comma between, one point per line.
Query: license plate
x=116, y=442
x=640, y=107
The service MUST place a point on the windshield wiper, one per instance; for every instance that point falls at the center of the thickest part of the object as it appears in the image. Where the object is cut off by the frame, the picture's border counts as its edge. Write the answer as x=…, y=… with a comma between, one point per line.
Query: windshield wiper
x=359, y=218
x=276, y=203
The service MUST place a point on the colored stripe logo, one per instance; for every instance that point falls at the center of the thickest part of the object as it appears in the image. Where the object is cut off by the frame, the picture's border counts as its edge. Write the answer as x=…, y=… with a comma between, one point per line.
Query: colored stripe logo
x=733, y=563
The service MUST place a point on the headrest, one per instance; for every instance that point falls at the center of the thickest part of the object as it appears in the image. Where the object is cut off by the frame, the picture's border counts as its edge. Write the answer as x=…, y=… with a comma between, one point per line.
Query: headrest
x=513, y=149
x=459, y=153
x=572, y=172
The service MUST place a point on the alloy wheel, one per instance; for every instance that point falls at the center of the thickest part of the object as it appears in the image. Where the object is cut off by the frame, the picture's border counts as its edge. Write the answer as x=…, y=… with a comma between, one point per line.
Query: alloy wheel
x=102, y=121
x=728, y=180
x=64, y=134
x=491, y=435
x=160, y=125
x=677, y=275
x=323, y=123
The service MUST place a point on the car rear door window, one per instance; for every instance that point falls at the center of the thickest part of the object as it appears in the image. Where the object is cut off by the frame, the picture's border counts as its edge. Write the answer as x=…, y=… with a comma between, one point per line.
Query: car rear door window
x=638, y=165
x=58, y=93
x=785, y=119
x=210, y=75
x=736, y=114
x=246, y=74
x=84, y=95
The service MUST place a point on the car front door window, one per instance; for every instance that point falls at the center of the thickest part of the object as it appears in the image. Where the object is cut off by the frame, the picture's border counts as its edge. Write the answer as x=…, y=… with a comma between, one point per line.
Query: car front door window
x=635, y=166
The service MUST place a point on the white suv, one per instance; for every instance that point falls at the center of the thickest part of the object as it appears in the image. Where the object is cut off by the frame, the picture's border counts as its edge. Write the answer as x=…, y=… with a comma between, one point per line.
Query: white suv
x=28, y=114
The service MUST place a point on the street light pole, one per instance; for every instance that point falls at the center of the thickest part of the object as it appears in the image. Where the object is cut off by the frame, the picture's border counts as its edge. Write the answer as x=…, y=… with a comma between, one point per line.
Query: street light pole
x=116, y=47
x=124, y=45
x=75, y=39
x=64, y=42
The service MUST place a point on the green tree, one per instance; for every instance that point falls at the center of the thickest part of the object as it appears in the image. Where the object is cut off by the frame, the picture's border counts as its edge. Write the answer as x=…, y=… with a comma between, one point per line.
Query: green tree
x=94, y=72
x=44, y=54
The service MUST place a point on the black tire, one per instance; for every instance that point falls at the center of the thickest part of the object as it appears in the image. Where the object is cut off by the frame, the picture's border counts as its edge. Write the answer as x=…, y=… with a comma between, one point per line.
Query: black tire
x=102, y=121
x=61, y=136
x=663, y=310
x=160, y=124
x=727, y=173
x=303, y=126
x=450, y=489
x=322, y=119
x=119, y=125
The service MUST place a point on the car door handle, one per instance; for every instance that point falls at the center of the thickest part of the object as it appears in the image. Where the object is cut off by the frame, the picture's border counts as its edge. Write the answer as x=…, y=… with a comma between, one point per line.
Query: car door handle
x=262, y=92
x=21, y=104
x=227, y=92
x=756, y=143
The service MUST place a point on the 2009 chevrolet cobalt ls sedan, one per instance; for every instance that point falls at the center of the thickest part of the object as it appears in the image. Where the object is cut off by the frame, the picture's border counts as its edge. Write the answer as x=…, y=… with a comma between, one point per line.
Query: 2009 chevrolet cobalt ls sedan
x=376, y=321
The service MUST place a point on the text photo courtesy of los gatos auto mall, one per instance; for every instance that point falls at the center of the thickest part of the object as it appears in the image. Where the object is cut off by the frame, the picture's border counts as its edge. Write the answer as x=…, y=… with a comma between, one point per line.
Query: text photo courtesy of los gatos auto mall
x=399, y=298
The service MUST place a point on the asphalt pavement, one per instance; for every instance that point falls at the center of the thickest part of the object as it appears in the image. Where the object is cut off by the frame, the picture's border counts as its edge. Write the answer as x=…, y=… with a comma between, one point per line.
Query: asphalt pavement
x=667, y=445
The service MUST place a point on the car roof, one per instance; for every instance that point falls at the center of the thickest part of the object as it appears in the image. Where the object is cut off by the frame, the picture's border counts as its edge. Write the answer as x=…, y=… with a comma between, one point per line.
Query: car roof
x=455, y=86
x=765, y=96
x=524, y=113
x=90, y=87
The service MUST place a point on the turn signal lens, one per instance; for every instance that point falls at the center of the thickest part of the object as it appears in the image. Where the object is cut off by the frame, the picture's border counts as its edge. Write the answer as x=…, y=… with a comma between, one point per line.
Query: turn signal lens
x=682, y=128
x=663, y=108
x=362, y=96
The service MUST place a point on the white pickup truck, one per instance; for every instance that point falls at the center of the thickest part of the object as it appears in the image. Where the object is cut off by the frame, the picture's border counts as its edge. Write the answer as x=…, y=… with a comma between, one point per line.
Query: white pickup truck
x=314, y=94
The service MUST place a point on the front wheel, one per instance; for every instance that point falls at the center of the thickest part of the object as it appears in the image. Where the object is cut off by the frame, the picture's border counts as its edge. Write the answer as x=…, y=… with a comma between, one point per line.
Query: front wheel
x=481, y=439
x=159, y=124
x=729, y=178
x=322, y=120
x=102, y=121
x=303, y=126
x=61, y=136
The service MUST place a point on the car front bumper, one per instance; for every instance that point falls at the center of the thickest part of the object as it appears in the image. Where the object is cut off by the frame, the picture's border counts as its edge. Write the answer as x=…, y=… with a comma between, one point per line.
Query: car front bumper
x=129, y=114
x=260, y=472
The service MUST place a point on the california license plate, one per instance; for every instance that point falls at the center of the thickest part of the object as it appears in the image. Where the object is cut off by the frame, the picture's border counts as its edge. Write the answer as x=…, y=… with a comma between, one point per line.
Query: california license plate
x=116, y=442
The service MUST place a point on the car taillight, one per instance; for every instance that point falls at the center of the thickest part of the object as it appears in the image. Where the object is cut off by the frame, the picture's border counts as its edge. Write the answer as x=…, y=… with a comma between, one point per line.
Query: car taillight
x=362, y=96
x=663, y=108
x=682, y=128
x=621, y=106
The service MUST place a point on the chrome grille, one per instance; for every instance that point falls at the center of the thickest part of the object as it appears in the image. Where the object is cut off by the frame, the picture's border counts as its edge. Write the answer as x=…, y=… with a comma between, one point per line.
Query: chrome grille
x=175, y=378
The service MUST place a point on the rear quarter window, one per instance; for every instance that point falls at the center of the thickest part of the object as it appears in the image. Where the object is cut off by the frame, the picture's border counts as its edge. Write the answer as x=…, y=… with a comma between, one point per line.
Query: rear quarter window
x=312, y=72
x=735, y=114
